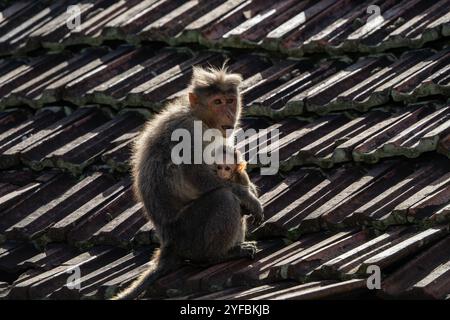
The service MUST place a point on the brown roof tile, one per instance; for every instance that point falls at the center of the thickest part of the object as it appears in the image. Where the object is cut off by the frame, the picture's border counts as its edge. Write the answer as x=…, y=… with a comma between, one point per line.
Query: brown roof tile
x=426, y=276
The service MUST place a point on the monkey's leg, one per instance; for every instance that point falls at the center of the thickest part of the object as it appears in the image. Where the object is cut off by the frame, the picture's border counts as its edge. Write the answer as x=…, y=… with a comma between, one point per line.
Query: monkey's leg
x=209, y=228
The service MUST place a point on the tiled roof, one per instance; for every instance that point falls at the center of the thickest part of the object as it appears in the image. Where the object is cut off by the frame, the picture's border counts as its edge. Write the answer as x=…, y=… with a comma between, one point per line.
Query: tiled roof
x=51, y=138
x=364, y=144
x=273, y=87
x=292, y=26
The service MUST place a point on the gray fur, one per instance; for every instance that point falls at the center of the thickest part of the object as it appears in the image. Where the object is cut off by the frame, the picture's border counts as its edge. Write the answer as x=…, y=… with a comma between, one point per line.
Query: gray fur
x=196, y=214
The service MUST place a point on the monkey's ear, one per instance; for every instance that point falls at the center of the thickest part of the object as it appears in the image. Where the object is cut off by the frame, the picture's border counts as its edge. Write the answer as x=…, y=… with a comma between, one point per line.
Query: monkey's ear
x=241, y=166
x=193, y=99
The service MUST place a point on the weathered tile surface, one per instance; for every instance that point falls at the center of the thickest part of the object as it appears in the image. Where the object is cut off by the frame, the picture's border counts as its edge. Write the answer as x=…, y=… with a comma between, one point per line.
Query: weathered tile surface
x=363, y=144
x=291, y=26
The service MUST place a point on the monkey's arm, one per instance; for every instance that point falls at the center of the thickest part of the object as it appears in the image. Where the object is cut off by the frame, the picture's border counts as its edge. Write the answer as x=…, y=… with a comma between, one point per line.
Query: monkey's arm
x=244, y=179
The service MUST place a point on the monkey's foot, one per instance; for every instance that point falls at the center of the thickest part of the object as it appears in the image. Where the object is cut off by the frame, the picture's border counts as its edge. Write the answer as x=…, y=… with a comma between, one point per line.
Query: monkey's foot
x=245, y=250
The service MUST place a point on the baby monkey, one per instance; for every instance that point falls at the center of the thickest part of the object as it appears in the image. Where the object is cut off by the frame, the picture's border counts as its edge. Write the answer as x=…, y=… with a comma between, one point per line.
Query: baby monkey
x=234, y=170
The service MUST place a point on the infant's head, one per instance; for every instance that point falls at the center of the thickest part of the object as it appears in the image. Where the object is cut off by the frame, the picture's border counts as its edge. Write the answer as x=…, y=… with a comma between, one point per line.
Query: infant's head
x=225, y=171
x=231, y=163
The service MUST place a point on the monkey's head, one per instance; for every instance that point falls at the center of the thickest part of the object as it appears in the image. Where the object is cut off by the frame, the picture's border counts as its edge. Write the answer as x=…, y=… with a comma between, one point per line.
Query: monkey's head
x=226, y=171
x=214, y=97
x=229, y=169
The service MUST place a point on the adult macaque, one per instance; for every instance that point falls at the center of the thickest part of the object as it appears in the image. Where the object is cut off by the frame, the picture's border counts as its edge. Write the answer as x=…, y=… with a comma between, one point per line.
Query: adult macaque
x=196, y=214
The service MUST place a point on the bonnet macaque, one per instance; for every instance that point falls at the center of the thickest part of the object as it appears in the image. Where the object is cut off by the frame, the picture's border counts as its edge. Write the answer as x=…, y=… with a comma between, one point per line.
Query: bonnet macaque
x=196, y=214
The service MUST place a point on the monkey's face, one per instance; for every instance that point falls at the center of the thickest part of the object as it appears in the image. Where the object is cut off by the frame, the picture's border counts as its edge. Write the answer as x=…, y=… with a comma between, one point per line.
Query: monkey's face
x=225, y=171
x=222, y=111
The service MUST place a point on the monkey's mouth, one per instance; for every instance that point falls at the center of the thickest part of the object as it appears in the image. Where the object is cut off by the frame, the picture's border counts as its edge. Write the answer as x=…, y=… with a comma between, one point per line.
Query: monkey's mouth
x=225, y=128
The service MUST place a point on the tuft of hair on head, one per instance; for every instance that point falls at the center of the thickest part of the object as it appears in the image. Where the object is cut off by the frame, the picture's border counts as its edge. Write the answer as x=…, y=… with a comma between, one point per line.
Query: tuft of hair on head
x=241, y=166
x=212, y=79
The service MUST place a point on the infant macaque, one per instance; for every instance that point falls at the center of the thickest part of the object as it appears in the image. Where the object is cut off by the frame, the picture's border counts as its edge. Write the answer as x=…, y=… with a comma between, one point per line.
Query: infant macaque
x=235, y=170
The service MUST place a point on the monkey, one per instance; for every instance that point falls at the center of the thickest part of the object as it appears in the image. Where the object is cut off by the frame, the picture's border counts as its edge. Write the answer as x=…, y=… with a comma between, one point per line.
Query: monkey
x=197, y=215
x=235, y=170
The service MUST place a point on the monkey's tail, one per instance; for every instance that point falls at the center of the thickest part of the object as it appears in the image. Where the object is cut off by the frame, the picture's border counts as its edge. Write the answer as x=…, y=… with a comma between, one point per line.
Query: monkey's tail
x=160, y=265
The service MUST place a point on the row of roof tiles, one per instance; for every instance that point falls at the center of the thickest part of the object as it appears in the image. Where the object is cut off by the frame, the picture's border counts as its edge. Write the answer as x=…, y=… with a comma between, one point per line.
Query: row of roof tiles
x=320, y=265
x=149, y=77
x=54, y=207
x=52, y=138
x=389, y=193
x=57, y=137
x=98, y=209
x=291, y=26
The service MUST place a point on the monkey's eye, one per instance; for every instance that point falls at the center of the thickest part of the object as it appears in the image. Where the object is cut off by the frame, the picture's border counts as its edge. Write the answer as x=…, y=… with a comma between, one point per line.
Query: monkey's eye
x=230, y=101
x=227, y=168
x=218, y=101
x=219, y=167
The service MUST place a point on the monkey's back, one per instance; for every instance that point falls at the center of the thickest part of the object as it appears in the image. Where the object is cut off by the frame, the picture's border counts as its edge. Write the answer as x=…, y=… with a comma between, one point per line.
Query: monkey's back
x=156, y=177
